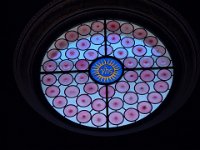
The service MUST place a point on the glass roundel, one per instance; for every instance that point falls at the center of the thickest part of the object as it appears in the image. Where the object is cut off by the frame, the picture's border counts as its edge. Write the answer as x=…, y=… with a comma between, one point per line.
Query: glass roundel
x=106, y=74
x=106, y=70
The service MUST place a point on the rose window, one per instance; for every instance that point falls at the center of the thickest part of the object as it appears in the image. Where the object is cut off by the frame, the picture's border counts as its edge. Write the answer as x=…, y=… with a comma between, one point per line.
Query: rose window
x=106, y=73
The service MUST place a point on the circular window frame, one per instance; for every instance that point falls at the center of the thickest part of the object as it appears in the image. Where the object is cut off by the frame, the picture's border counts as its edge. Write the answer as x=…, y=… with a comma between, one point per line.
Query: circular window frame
x=35, y=40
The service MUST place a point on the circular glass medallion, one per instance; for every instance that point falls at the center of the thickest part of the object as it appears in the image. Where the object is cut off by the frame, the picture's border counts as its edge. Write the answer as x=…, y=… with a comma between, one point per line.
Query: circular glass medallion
x=106, y=70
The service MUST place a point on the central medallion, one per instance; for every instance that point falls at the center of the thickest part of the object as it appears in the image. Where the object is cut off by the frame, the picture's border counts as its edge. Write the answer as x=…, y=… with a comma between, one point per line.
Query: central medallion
x=106, y=70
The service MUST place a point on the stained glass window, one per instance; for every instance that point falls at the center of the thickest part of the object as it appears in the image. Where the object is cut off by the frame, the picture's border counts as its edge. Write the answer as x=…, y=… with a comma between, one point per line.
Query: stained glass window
x=106, y=73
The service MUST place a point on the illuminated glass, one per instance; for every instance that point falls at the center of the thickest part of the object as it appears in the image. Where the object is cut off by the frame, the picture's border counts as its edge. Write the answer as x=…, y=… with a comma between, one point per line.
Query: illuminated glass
x=106, y=74
x=106, y=70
